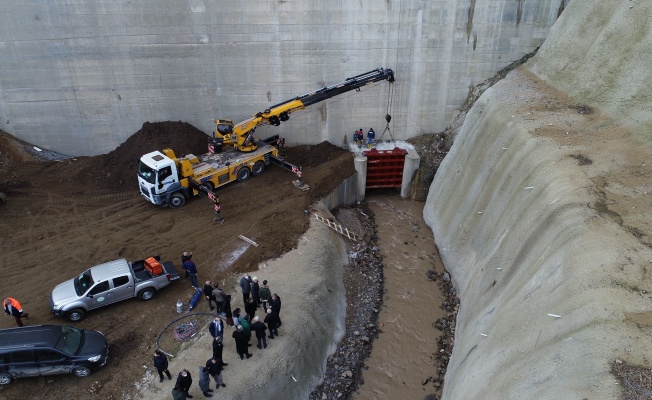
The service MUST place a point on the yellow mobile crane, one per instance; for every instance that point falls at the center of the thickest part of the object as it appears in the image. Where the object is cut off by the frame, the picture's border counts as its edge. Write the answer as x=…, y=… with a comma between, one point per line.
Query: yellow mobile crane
x=241, y=134
x=168, y=180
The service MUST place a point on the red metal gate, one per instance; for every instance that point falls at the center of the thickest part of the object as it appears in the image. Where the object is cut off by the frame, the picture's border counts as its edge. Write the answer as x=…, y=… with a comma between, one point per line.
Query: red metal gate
x=385, y=167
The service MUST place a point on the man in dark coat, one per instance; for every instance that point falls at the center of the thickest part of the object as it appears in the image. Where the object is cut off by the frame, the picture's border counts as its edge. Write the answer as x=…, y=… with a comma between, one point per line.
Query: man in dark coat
x=161, y=364
x=255, y=292
x=250, y=308
x=241, y=343
x=184, y=381
x=245, y=285
x=216, y=328
x=204, y=382
x=208, y=292
x=190, y=267
x=218, y=349
x=260, y=329
x=275, y=303
x=214, y=367
x=272, y=322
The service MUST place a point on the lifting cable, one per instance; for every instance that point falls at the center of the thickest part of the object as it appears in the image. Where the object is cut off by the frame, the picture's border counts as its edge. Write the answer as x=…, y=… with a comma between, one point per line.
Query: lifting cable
x=388, y=117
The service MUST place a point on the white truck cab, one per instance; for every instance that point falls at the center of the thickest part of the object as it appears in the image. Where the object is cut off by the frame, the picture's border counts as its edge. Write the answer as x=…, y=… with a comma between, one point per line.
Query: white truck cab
x=158, y=179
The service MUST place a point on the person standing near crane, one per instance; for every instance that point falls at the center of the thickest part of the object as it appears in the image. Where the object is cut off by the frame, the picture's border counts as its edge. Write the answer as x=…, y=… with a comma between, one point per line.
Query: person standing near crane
x=218, y=209
x=371, y=135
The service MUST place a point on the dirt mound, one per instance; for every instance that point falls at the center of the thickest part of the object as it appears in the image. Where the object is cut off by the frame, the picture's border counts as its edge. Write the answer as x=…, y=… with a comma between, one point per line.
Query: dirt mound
x=312, y=155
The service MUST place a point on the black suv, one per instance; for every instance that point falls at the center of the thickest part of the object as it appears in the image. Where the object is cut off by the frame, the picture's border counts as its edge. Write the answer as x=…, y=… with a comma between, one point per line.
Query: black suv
x=49, y=350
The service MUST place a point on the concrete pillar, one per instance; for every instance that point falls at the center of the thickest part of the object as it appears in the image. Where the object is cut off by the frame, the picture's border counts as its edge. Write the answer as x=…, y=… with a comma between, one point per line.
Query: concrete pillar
x=411, y=164
x=361, y=169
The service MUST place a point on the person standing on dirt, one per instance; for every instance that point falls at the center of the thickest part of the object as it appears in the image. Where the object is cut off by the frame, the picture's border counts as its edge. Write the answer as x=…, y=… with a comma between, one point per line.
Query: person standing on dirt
x=261, y=335
x=190, y=267
x=218, y=349
x=245, y=285
x=250, y=308
x=161, y=365
x=272, y=322
x=184, y=381
x=205, y=382
x=220, y=298
x=246, y=327
x=275, y=304
x=216, y=328
x=241, y=343
x=265, y=295
x=208, y=292
x=255, y=292
x=13, y=308
x=214, y=367
x=216, y=205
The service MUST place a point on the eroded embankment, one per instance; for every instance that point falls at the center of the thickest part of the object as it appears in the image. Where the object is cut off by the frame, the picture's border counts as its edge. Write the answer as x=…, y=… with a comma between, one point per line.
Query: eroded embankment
x=546, y=281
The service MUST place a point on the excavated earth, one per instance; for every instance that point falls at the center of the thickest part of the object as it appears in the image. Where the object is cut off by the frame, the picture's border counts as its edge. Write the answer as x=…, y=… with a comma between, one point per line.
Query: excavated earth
x=64, y=215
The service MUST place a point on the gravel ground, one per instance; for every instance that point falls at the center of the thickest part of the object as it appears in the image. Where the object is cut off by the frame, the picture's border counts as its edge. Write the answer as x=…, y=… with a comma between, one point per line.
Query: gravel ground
x=363, y=281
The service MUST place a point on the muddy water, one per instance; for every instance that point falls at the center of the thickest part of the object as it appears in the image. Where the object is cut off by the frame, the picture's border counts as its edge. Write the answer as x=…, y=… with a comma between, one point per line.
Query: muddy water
x=402, y=356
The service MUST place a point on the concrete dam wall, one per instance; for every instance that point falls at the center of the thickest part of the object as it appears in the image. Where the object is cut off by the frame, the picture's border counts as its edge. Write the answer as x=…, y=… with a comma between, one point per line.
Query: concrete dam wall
x=79, y=77
x=541, y=214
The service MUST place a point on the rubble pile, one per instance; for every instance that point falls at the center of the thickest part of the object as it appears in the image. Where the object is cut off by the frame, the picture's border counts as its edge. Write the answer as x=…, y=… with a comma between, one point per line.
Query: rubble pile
x=363, y=280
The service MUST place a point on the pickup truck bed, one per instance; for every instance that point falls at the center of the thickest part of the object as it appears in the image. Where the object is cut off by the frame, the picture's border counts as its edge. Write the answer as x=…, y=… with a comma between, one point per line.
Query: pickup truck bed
x=141, y=274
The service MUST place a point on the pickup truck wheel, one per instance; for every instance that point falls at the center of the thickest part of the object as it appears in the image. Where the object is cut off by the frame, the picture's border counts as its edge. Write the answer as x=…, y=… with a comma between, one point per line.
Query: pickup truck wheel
x=243, y=174
x=258, y=168
x=146, y=294
x=81, y=372
x=5, y=379
x=76, y=315
x=177, y=200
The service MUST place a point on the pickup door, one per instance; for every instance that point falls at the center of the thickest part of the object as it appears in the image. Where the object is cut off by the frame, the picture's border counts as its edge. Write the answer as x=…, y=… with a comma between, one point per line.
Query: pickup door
x=110, y=291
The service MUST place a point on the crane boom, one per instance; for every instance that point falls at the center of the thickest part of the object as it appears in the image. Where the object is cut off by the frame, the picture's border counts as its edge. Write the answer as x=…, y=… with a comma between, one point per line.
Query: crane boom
x=241, y=135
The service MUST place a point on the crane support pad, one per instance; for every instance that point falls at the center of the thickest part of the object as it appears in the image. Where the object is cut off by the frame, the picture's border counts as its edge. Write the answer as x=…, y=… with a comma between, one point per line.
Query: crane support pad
x=286, y=165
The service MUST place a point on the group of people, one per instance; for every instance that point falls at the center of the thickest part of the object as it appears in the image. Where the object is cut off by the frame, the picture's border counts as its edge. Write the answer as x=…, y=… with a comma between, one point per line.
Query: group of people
x=212, y=369
x=358, y=137
x=254, y=297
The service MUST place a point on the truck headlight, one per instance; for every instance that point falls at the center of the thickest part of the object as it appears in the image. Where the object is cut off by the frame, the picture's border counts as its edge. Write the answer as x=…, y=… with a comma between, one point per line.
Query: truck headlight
x=95, y=358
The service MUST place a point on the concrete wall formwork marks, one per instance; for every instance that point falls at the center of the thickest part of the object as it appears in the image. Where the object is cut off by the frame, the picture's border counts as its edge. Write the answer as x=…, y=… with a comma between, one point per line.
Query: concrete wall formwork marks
x=79, y=77
x=508, y=209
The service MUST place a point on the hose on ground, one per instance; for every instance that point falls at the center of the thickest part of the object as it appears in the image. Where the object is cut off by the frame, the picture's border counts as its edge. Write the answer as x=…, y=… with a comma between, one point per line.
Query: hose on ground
x=172, y=323
x=184, y=332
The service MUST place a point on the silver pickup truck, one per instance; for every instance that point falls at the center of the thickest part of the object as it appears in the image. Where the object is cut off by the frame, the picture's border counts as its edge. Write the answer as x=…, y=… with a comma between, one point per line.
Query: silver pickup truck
x=108, y=283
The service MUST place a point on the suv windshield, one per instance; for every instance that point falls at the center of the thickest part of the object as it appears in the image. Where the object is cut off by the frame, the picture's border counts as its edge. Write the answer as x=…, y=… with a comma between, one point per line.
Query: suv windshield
x=147, y=173
x=83, y=282
x=70, y=341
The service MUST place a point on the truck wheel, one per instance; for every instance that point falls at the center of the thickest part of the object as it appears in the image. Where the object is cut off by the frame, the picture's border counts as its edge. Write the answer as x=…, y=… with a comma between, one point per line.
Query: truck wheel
x=81, y=372
x=177, y=200
x=243, y=174
x=258, y=168
x=76, y=315
x=5, y=379
x=146, y=294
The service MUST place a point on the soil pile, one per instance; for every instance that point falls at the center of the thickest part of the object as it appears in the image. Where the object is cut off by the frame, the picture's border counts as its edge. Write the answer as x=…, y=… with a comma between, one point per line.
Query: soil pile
x=66, y=215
